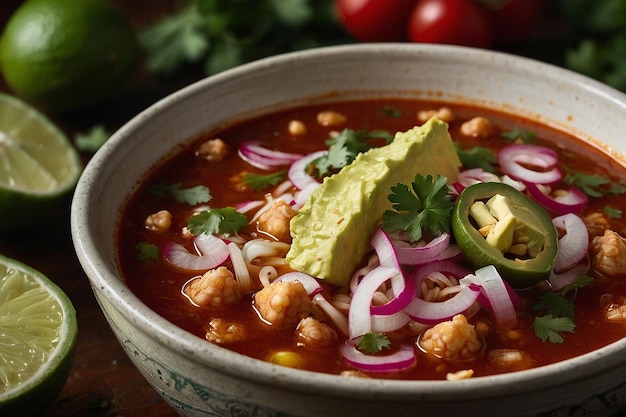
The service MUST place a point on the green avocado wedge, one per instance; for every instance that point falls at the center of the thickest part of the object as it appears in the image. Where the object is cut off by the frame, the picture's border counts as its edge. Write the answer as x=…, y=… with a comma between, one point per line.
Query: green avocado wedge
x=532, y=221
x=331, y=233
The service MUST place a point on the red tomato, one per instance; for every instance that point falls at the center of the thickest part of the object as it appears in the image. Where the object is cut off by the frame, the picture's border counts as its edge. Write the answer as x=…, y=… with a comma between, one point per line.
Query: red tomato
x=376, y=20
x=514, y=19
x=457, y=22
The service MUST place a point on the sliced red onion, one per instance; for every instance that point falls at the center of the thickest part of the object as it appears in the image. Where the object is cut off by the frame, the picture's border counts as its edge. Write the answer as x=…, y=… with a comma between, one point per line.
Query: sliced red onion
x=419, y=255
x=496, y=295
x=573, y=202
x=400, y=301
x=475, y=175
x=302, y=196
x=560, y=281
x=263, y=158
x=213, y=252
x=297, y=171
x=389, y=322
x=243, y=208
x=359, y=315
x=400, y=360
x=428, y=312
x=311, y=285
x=573, y=244
x=517, y=160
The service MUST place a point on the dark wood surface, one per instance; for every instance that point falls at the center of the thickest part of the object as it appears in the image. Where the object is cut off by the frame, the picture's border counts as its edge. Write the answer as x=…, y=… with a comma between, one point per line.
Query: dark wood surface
x=103, y=381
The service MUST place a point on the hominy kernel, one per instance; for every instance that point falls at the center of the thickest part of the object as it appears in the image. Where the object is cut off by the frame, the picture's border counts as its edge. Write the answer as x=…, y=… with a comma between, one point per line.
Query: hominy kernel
x=296, y=128
x=330, y=118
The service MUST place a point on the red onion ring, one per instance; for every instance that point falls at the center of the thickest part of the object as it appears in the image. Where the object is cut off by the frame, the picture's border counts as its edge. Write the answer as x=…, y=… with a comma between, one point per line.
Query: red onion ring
x=574, y=202
x=474, y=175
x=573, y=245
x=402, y=359
x=213, y=252
x=263, y=158
x=560, y=281
x=496, y=295
x=311, y=285
x=297, y=171
x=399, y=302
x=429, y=312
x=516, y=159
x=422, y=254
x=359, y=314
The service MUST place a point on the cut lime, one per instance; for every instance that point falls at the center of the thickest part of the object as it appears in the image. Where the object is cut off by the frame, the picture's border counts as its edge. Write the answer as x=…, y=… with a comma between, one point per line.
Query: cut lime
x=38, y=165
x=38, y=331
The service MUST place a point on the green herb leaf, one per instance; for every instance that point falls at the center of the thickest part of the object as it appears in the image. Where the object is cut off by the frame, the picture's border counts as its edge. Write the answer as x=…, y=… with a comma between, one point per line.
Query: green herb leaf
x=176, y=40
x=259, y=182
x=613, y=212
x=519, y=135
x=148, y=251
x=193, y=195
x=549, y=328
x=554, y=304
x=373, y=342
x=594, y=185
x=222, y=220
x=477, y=157
x=429, y=209
x=92, y=140
x=344, y=148
x=392, y=112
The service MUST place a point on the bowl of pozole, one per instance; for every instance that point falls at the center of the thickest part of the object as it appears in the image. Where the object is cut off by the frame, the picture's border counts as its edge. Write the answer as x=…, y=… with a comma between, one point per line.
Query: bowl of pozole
x=368, y=230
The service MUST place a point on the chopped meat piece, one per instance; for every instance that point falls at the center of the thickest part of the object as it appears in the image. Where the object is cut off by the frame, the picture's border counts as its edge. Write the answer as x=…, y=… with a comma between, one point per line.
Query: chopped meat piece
x=275, y=221
x=609, y=253
x=216, y=289
x=454, y=340
x=283, y=303
x=221, y=331
x=159, y=222
x=478, y=127
x=212, y=150
x=312, y=332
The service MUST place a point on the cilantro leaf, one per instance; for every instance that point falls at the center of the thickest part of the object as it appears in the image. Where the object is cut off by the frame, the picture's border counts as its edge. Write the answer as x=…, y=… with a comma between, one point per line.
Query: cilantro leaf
x=429, y=209
x=477, y=157
x=178, y=39
x=259, y=182
x=549, y=327
x=92, y=140
x=344, y=148
x=519, y=135
x=373, y=342
x=221, y=220
x=148, y=251
x=554, y=304
x=193, y=195
x=392, y=112
x=613, y=212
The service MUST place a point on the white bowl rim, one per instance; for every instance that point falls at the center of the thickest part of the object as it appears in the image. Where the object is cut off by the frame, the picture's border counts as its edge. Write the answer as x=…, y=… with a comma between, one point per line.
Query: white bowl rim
x=104, y=280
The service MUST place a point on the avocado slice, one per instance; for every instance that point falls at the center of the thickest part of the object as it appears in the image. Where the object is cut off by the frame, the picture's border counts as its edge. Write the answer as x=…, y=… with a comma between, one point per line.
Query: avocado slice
x=331, y=233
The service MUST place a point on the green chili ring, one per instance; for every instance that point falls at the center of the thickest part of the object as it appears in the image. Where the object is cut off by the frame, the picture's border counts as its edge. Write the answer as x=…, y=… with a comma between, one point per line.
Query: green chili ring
x=519, y=273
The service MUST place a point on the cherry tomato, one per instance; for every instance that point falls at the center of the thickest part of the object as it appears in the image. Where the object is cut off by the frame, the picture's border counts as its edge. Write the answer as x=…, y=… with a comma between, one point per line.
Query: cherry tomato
x=457, y=22
x=514, y=20
x=375, y=20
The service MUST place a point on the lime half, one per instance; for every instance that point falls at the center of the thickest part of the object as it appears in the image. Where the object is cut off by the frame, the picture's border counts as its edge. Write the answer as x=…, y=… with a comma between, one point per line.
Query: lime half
x=38, y=165
x=38, y=329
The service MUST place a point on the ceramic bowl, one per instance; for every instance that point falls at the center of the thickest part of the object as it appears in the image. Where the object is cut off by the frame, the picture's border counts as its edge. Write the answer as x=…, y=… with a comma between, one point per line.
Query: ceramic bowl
x=201, y=379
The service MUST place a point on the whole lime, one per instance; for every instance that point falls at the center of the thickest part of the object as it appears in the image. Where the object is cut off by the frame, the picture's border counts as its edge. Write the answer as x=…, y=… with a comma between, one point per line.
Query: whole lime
x=67, y=54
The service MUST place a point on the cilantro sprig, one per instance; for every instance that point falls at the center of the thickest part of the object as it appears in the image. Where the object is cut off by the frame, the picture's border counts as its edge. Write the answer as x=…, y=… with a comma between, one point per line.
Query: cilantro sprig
x=260, y=182
x=148, y=251
x=519, y=135
x=477, y=157
x=192, y=195
x=219, y=220
x=594, y=185
x=425, y=207
x=559, y=311
x=344, y=148
x=373, y=342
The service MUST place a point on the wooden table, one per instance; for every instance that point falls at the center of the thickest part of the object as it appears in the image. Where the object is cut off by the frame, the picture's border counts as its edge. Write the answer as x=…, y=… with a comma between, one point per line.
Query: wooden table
x=103, y=381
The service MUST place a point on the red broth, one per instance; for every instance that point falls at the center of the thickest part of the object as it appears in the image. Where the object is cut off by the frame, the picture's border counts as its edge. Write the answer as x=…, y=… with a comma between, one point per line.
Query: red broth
x=159, y=285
